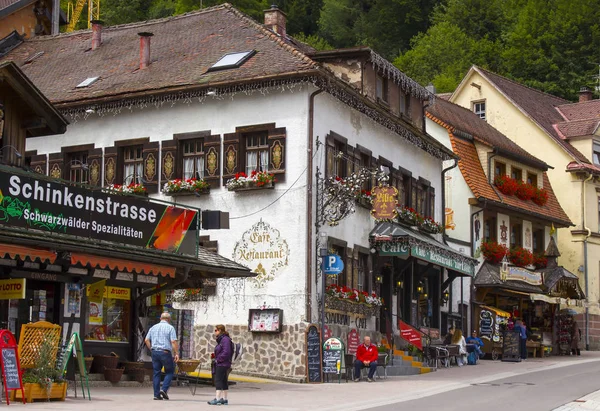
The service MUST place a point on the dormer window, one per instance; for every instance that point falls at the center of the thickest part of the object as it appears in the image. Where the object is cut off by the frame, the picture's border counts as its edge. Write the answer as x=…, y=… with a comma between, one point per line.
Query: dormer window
x=232, y=60
x=499, y=169
x=532, y=178
x=382, y=89
x=516, y=173
x=596, y=154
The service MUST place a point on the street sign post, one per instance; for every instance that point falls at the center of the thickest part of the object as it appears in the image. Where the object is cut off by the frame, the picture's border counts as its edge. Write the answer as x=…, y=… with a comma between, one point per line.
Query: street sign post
x=332, y=264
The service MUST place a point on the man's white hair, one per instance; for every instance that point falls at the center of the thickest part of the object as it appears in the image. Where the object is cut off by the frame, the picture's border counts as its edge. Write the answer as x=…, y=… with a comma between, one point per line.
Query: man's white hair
x=165, y=316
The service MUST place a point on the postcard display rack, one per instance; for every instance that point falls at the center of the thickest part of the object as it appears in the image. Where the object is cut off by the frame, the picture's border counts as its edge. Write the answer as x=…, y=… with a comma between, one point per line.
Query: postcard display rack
x=40, y=306
x=565, y=325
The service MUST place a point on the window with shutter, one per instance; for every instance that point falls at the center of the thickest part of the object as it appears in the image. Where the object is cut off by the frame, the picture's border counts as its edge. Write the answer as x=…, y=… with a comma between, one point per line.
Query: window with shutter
x=39, y=163
x=212, y=160
x=150, y=164
x=77, y=167
x=110, y=165
x=231, y=156
x=336, y=153
x=94, y=162
x=168, y=161
x=132, y=166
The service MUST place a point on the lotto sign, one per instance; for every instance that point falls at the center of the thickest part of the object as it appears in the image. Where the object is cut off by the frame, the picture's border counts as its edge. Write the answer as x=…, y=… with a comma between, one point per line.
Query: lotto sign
x=13, y=289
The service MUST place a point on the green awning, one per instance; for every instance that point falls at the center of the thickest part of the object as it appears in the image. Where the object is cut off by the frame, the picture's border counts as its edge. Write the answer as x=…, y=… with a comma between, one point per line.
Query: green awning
x=394, y=239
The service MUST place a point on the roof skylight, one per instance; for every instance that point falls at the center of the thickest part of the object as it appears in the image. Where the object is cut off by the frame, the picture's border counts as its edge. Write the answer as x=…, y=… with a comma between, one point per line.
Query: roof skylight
x=232, y=60
x=88, y=81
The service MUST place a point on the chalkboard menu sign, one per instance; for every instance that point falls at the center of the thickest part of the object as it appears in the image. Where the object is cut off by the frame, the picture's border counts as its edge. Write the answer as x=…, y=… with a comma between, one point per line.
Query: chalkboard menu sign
x=332, y=355
x=11, y=368
x=511, y=346
x=313, y=354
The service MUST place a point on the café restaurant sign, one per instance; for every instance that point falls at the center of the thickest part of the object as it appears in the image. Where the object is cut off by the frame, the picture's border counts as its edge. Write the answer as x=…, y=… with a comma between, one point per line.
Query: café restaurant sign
x=384, y=203
x=523, y=275
x=30, y=202
x=404, y=250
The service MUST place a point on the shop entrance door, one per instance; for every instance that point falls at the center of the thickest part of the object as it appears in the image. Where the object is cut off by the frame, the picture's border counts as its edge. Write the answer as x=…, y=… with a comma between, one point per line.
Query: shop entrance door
x=41, y=303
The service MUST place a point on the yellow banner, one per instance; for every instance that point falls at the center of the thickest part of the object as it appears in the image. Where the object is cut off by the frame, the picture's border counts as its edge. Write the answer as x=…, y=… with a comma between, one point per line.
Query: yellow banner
x=118, y=293
x=13, y=289
x=95, y=292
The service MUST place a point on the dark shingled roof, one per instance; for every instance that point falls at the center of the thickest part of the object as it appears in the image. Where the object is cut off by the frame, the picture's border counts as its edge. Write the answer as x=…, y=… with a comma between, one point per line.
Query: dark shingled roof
x=183, y=48
x=489, y=276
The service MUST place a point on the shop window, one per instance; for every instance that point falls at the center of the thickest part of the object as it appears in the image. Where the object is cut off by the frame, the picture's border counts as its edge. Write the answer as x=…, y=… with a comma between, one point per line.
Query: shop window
x=362, y=272
x=490, y=229
x=499, y=169
x=382, y=89
x=78, y=167
x=109, y=320
x=516, y=235
x=479, y=109
x=516, y=173
x=133, y=164
x=538, y=241
x=257, y=152
x=193, y=158
x=532, y=179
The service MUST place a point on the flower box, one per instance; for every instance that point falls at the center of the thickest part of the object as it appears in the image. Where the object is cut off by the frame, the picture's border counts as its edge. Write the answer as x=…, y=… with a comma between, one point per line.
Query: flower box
x=185, y=187
x=35, y=391
x=205, y=191
x=257, y=181
x=351, y=307
x=493, y=252
x=250, y=186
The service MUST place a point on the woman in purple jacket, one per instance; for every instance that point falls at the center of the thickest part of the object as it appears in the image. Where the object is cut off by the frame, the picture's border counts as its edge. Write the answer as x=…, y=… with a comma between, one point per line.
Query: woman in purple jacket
x=223, y=354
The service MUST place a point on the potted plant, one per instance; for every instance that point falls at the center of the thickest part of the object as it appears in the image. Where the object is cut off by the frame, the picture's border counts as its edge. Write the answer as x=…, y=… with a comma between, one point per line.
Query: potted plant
x=540, y=261
x=365, y=198
x=493, y=252
x=429, y=225
x=506, y=185
x=525, y=191
x=132, y=188
x=540, y=196
x=186, y=186
x=44, y=380
x=521, y=257
x=262, y=178
x=257, y=179
x=409, y=216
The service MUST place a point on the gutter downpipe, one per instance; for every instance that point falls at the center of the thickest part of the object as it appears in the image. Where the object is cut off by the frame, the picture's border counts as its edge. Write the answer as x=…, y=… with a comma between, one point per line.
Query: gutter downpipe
x=309, y=204
x=444, y=171
x=585, y=264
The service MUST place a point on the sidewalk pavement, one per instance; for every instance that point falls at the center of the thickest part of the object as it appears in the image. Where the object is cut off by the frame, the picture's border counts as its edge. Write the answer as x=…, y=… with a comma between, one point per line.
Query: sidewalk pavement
x=255, y=396
x=589, y=402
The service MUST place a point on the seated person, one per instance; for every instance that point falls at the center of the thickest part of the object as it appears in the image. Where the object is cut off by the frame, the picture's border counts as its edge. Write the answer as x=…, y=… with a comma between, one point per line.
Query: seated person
x=366, y=356
x=448, y=337
x=477, y=342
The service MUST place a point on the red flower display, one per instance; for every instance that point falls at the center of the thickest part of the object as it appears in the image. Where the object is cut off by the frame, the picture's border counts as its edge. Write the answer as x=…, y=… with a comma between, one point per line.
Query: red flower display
x=493, y=252
x=540, y=261
x=525, y=191
x=521, y=257
x=540, y=196
x=506, y=185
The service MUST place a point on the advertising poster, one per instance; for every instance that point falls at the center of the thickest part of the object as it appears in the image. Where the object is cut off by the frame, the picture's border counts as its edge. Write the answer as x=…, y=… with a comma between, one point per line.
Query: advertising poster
x=95, y=313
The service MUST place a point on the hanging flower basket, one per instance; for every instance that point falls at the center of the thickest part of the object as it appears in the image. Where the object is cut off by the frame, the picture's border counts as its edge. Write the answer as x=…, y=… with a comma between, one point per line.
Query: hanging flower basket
x=506, y=185
x=493, y=252
x=521, y=257
x=409, y=216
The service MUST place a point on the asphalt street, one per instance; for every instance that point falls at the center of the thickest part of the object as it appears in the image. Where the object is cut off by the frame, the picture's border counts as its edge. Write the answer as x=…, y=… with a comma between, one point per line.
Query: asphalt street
x=537, y=391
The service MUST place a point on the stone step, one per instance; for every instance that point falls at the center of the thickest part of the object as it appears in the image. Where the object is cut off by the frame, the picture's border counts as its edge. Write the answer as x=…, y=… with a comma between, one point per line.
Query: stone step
x=394, y=370
x=100, y=377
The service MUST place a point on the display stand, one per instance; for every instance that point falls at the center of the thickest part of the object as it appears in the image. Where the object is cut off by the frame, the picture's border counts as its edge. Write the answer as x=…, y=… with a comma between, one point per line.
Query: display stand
x=10, y=369
x=333, y=349
x=75, y=349
x=565, y=326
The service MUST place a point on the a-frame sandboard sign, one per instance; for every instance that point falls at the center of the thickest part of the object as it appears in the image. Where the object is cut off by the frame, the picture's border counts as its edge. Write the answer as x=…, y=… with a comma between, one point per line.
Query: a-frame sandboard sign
x=75, y=349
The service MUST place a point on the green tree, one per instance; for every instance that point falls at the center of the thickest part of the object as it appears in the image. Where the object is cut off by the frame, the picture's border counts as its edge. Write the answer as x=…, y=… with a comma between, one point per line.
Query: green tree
x=337, y=21
x=316, y=42
x=124, y=11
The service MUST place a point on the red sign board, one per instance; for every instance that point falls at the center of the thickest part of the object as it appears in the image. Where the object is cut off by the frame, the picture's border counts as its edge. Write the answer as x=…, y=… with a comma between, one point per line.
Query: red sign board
x=10, y=365
x=384, y=203
x=410, y=334
x=327, y=333
x=353, y=342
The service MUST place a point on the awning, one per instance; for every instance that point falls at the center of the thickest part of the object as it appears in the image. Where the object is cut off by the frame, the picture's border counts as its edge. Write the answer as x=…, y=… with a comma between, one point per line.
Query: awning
x=496, y=311
x=24, y=252
x=394, y=239
x=120, y=264
x=562, y=283
x=569, y=302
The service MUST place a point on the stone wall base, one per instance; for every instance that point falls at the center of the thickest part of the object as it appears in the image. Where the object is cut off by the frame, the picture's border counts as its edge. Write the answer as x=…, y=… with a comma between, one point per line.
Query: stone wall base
x=594, y=330
x=280, y=355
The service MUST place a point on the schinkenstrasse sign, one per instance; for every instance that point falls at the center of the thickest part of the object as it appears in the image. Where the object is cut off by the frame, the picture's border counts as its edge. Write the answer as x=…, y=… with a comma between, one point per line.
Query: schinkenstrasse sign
x=32, y=203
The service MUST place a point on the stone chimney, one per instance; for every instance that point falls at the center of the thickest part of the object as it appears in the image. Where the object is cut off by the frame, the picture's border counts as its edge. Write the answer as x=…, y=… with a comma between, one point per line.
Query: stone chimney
x=585, y=94
x=275, y=20
x=145, y=49
x=96, y=33
x=552, y=254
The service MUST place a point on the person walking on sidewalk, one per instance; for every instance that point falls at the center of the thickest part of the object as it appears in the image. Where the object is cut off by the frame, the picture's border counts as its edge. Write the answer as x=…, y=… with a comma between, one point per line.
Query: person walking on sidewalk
x=366, y=356
x=520, y=327
x=223, y=356
x=162, y=341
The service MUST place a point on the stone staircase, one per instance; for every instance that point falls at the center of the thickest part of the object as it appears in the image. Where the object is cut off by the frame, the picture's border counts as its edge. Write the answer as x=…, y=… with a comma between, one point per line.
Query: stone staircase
x=404, y=364
x=97, y=380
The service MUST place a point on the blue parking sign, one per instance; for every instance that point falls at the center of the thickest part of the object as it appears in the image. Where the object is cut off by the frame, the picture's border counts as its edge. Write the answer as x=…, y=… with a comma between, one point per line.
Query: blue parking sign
x=332, y=264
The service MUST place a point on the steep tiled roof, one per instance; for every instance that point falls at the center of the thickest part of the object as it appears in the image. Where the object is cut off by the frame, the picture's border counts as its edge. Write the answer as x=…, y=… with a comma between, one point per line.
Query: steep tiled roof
x=7, y=3
x=539, y=106
x=183, y=48
x=468, y=122
x=578, y=128
x=472, y=168
x=581, y=111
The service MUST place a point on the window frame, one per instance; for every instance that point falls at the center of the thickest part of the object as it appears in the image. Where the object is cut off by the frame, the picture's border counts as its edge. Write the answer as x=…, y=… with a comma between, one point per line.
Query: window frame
x=533, y=182
x=490, y=224
x=479, y=112
x=136, y=162
x=75, y=164
x=518, y=172
x=499, y=168
x=596, y=153
x=516, y=231
x=382, y=89
x=537, y=240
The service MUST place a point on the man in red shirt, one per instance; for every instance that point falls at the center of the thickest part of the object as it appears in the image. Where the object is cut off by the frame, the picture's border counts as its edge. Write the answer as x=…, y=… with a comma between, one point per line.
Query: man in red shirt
x=366, y=356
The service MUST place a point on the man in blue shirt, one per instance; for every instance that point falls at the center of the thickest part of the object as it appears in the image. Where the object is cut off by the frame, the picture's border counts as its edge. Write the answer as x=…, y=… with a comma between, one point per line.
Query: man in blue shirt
x=162, y=341
x=477, y=342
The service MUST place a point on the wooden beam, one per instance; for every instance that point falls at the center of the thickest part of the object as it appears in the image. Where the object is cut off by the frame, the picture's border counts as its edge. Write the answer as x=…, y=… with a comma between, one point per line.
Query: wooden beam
x=473, y=201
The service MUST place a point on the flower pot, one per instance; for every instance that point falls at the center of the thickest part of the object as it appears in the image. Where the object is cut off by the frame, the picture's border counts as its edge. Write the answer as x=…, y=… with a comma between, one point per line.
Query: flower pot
x=130, y=366
x=104, y=361
x=137, y=374
x=35, y=391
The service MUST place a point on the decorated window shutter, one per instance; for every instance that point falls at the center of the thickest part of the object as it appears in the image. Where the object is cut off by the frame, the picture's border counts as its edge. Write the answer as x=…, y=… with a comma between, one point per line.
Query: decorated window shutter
x=374, y=166
x=38, y=163
x=231, y=156
x=413, y=193
x=212, y=160
x=431, y=198
x=169, y=169
x=150, y=158
x=277, y=150
x=94, y=162
x=110, y=165
x=330, y=156
x=56, y=165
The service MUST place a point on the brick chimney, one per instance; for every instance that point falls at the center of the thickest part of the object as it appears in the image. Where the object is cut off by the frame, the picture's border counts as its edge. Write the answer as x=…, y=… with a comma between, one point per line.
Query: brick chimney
x=275, y=20
x=96, y=33
x=585, y=94
x=145, y=49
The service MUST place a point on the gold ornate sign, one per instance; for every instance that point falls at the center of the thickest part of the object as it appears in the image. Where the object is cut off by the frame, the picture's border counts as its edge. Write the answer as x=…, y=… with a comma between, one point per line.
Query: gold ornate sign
x=150, y=169
x=277, y=155
x=231, y=160
x=384, y=203
x=263, y=251
x=110, y=171
x=168, y=165
x=212, y=160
